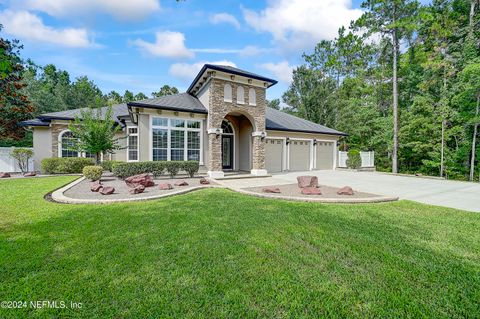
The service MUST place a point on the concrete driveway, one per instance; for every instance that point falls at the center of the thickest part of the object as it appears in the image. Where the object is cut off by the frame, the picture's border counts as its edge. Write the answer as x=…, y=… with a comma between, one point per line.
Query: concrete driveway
x=460, y=195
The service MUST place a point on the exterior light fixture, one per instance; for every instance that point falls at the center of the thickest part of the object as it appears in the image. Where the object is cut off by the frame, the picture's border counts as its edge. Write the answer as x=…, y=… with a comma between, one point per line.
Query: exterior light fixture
x=218, y=132
x=287, y=141
x=314, y=142
x=263, y=135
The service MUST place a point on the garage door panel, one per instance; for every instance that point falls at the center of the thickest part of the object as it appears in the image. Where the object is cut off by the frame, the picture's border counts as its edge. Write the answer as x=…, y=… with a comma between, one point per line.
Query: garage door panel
x=324, y=155
x=274, y=155
x=299, y=157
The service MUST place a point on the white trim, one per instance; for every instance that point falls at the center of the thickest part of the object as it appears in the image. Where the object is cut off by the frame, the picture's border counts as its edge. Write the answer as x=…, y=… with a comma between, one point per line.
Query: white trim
x=59, y=146
x=169, y=129
x=214, y=131
x=259, y=172
x=259, y=133
x=128, y=141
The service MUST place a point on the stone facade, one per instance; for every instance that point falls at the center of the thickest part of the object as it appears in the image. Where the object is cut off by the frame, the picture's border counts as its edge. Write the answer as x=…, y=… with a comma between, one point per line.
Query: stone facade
x=218, y=109
x=56, y=128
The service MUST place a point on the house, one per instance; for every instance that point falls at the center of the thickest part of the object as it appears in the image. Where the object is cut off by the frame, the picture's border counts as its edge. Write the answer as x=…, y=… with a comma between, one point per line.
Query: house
x=222, y=121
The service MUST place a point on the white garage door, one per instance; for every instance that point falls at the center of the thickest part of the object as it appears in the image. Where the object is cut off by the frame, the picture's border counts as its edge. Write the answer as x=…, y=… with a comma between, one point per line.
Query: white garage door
x=324, y=154
x=274, y=155
x=299, y=157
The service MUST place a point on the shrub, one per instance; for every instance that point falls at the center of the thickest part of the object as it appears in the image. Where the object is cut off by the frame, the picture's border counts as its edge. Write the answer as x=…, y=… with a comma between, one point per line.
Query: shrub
x=70, y=165
x=157, y=168
x=92, y=172
x=191, y=167
x=354, y=160
x=22, y=156
x=108, y=165
x=123, y=170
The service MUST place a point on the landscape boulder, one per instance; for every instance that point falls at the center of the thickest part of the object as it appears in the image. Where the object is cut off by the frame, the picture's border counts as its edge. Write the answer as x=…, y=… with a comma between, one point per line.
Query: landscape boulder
x=107, y=190
x=141, y=179
x=204, y=181
x=345, y=190
x=165, y=186
x=4, y=175
x=311, y=191
x=137, y=189
x=30, y=174
x=275, y=190
x=307, y=181
x=181, y=183
x=96, y=186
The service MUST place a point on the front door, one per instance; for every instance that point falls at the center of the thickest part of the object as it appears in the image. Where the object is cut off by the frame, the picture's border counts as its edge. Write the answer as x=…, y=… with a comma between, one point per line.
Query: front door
x=227, y=151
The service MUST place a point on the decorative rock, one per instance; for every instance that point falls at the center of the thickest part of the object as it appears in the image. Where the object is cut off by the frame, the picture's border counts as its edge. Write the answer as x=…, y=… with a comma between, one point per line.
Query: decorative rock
x=181, y=183
x=107, y=190
x=165, y=186
x=311, y=191
x=137, y=190
x=345, y=190
x=96, y=186
x=307, y=181
x=271, y=190
x=204, y=181
x=30, y=174
x=141, y=179
x=4, y=175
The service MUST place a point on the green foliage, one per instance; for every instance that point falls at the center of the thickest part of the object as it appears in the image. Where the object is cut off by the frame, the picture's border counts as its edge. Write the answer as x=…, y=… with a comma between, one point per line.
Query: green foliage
x=354, y=161
x=108, y=165
x=95, y=130
x=70, y=165
x=22, y=155
x=157, y=168
x=274, y=104
x=92, y=172
x=165, y=90
x=191, y=167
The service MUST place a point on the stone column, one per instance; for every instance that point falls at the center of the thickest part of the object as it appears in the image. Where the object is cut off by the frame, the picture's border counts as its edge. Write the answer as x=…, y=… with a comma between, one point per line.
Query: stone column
x=258, y=154
x=214, y=154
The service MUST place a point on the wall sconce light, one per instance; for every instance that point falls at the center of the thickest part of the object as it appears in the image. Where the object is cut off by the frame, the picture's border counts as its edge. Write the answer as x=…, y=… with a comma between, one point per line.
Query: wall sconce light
x=287, y=141
x=314, y=142
x=263, y=136
x=218, y=132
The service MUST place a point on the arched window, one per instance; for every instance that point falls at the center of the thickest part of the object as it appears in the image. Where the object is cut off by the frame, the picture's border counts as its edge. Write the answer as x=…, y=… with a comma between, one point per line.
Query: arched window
x=67, y=141
x=227, y=127
x=227, y=93
x=252, y=97
x=240, y=95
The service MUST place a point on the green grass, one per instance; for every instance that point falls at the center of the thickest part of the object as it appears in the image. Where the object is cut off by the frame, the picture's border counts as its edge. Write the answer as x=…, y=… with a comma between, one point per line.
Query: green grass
x=218, y=254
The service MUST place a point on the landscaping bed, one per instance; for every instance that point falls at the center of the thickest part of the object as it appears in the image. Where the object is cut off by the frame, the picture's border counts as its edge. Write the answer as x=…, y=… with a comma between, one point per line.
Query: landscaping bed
x=82, y=189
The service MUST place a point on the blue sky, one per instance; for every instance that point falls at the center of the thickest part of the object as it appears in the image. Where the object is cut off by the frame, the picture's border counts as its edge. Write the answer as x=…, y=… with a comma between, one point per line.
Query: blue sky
x=143, y=44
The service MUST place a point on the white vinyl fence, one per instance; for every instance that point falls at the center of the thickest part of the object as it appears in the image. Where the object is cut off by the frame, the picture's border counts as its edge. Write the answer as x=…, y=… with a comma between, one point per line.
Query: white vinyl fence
x=368, y=159
x=8, y=164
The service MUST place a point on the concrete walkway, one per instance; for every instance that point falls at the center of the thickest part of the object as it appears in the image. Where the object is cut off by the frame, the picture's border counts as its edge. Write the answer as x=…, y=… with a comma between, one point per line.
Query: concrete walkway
x=460, y=195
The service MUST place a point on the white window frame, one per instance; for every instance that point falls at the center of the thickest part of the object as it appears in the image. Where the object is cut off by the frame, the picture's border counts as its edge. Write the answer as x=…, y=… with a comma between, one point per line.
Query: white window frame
x=169, y=129
x=252, y=98
x=128, y=142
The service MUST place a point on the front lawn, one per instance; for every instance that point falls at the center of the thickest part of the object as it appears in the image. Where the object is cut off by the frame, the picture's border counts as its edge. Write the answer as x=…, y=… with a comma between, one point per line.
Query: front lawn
x=218, y=254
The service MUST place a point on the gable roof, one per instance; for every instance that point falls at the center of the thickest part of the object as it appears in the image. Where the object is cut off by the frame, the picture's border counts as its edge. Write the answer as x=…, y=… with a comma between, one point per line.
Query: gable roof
x=231, y=70
x=176, y=102
x=119, y=110
x=280, y=121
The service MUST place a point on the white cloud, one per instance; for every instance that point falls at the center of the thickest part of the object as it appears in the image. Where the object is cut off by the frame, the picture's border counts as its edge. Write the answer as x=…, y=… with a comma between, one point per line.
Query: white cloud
x=167, y=44
x=300, y=23
x=225, y=18
x=122, y=9
x=187, y=71
x=281, y=71
x=27, y=26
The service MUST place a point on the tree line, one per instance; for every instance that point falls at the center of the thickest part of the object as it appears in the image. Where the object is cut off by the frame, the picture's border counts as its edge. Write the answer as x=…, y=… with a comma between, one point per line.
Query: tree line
x=402, y=80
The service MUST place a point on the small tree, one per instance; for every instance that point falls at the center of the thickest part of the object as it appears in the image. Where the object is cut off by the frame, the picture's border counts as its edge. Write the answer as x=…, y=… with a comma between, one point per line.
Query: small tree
x=95, y=132
x=22, y=156
x=354, y=161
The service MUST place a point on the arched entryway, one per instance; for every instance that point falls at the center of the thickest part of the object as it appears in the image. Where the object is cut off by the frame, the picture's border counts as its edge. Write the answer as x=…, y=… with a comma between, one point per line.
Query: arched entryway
x=236, y=144
x=228, y=145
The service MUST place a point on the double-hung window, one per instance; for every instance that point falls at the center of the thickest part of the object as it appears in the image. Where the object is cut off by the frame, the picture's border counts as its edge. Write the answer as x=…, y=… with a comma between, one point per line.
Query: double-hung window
x=132, y=144
x=175, y=139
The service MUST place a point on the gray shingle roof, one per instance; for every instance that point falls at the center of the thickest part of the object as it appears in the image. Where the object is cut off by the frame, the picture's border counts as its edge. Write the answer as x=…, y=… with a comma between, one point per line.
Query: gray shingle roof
x=34, y=122
x=281, y=121
x=177, y=102
x=118, y=110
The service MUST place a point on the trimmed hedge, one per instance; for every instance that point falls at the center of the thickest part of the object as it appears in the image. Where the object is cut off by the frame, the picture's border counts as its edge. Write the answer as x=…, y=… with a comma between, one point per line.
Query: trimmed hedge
x=157, y=168
x=69, y=165
x=108, y=165
x=354, y=160
x=93, y=172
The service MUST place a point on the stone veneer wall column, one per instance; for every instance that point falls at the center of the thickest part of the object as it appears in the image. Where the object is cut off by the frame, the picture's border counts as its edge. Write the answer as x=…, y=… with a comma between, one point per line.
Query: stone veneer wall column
x=215, y=153
x=56, y=130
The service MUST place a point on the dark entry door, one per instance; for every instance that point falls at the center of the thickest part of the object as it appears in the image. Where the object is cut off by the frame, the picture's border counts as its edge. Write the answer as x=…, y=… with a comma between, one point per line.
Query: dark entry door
x=227, y=151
